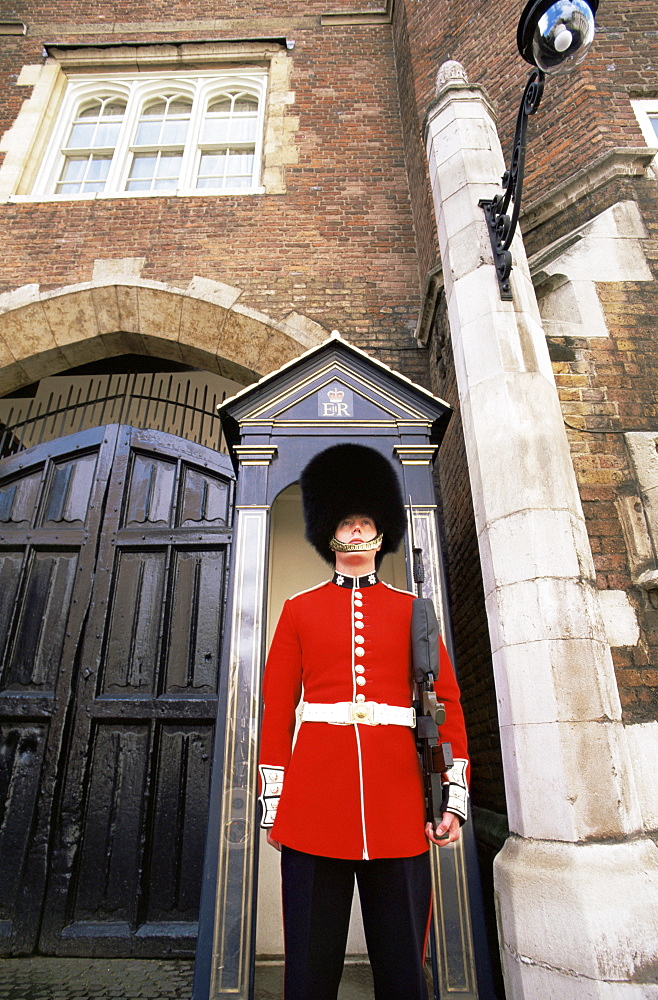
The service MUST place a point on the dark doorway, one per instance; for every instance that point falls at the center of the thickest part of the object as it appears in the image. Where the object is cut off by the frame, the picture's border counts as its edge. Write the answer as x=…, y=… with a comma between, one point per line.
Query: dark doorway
x=113, y=567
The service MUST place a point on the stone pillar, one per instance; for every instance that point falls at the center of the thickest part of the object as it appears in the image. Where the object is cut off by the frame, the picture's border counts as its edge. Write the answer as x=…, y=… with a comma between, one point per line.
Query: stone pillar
x=577, y=882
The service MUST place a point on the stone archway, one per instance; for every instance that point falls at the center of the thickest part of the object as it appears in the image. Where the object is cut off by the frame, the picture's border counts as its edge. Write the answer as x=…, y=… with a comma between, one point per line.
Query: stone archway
x=46, y=332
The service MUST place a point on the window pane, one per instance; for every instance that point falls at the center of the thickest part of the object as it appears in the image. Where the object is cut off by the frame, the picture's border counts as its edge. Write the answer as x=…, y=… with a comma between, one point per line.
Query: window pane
x=148, y=133
x=240, y=164
x=211, y=170
x=174, y=132
x=654, y=121
x=75, y=168
x=243, y=130
x=222, y=104
x=114, y=109
x=169, y=165
x=98, y=168
x=155, y=172
x=82, y=136
x=106, y=135
x=155, y=110
x=225, y=169
x=179, y=106
x=215, y=130
x=92, y=111
x=143, y=165
x=246, y=103
x=84, y=174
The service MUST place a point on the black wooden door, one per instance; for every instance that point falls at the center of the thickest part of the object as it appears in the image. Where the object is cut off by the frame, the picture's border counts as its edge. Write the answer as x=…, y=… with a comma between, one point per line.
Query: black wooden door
x=107, y=794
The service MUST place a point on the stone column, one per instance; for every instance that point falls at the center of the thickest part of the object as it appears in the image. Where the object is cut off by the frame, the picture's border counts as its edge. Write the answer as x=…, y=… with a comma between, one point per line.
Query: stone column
x=577, y=882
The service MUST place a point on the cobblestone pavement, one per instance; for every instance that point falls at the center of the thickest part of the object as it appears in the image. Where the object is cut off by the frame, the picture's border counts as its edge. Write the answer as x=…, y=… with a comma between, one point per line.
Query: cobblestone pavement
x=39, y=978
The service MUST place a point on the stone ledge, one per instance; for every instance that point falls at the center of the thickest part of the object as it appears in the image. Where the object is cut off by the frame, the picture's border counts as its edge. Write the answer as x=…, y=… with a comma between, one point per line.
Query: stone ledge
x=618, y=162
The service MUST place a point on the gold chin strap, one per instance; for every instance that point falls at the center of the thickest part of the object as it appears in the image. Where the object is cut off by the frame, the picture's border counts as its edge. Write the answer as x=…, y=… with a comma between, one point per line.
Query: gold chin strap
x=355, y=546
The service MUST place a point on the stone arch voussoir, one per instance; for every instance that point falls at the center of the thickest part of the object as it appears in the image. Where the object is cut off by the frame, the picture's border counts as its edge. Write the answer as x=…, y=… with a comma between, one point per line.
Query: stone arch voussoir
x=44, y=333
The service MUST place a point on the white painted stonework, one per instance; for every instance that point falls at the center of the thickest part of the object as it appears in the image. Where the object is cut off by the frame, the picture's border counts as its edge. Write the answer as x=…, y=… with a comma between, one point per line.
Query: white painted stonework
x=574, y=808
x=608, y=248
x=643, y=742
x=619, y=618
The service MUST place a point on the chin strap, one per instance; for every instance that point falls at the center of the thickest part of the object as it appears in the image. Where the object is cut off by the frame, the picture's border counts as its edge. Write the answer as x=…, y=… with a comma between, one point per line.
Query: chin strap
x=355, y=546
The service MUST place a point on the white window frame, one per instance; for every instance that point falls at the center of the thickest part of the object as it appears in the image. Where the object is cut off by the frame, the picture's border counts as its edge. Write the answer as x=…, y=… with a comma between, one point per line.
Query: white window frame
x=645, y=110
x=137, y=89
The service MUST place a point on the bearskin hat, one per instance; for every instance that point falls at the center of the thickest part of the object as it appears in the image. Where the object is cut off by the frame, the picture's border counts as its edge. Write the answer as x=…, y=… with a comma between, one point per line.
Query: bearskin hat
x=351, y=479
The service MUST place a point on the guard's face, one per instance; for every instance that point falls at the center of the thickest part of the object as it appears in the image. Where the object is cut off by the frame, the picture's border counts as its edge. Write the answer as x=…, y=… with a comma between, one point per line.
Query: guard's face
x=356, y=528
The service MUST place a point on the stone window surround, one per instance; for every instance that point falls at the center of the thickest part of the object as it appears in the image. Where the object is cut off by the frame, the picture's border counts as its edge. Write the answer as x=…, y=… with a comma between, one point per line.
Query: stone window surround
x=26, y=143
x=646, y=109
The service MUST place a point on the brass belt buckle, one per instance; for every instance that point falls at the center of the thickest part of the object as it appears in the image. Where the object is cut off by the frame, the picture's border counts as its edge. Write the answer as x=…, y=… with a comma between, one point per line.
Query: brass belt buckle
x=362, y=712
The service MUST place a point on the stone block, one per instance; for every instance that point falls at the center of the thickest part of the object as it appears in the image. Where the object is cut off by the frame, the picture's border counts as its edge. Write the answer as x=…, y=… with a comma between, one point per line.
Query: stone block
x=519, y=453
x=525, y=981
x=643, y=747
x=466, y=166
x=117, y=269
x=214, y=291
x=277, y=350
x=555, y=680
x=546, y=608
x=106, y=307
x=242, y=338
x=530, y=543
x=619, y=618
x=128, y=308
x=71, y=317
x=159, y=313
x=569, y=781
x=580, y=912
x=26, y=331
x=200, y=324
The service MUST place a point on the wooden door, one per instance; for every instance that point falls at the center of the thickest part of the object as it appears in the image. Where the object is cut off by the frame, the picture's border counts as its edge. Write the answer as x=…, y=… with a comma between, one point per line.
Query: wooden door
x=127, y=772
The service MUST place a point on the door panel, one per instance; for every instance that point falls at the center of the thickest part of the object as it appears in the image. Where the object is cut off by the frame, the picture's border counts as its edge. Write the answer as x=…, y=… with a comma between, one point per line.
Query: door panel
x=128, y=855
x=113, y=563
x=50, y=503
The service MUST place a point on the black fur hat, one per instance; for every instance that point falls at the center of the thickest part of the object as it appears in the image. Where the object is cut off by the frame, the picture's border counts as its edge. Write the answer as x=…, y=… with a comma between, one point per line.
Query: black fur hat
x=351, y=479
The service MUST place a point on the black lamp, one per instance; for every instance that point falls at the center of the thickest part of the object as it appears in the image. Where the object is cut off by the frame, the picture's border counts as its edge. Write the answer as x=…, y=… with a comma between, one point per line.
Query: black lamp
x=553, y=36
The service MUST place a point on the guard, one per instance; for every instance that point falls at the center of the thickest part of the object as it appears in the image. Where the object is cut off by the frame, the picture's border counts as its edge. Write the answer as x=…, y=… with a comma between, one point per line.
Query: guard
x=348, y=800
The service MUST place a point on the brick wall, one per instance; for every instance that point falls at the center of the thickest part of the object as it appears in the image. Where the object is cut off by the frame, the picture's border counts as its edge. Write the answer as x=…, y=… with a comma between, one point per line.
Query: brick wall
x=339, y=246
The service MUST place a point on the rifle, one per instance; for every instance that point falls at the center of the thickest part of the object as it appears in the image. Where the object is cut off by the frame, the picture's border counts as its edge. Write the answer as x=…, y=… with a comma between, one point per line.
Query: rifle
x=435, y=756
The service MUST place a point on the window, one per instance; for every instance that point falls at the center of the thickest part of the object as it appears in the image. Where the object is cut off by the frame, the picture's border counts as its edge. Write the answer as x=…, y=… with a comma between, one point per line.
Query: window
x=163, y=134
x=646, y=113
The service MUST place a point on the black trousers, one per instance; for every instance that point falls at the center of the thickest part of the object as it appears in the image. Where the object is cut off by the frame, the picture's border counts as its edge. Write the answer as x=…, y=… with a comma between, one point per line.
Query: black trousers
x=395, y=896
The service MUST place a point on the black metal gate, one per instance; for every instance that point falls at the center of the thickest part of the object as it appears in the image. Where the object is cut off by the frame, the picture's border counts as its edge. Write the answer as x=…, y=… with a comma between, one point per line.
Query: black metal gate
x=113, y=567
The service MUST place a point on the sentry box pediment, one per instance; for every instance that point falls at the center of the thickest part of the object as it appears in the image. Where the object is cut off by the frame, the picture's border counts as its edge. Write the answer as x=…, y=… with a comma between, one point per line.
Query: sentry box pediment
x=333, y=393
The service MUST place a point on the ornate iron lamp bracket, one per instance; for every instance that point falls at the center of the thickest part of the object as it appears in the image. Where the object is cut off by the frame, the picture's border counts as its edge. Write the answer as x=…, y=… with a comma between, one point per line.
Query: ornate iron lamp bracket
x=502, y=226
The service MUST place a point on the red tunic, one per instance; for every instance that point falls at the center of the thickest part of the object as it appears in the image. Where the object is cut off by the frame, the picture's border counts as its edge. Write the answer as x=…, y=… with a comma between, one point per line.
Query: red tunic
x=349, y=791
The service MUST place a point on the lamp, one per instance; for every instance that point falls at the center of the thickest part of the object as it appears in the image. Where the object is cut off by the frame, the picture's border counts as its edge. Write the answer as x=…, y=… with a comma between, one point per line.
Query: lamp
x=553, y=36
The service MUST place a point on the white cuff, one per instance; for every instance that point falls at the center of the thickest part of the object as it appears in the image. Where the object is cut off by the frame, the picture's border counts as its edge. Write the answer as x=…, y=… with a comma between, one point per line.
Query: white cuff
x=271, y=779
x=457, y=801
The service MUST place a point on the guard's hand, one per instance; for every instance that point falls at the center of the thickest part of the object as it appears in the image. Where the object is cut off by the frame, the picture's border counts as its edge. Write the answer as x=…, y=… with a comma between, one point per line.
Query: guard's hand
x=447, y=832
x=272, y=842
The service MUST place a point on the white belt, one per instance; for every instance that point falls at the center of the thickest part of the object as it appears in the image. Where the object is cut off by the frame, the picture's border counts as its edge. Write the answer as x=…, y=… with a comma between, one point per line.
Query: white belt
x=368, y=713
